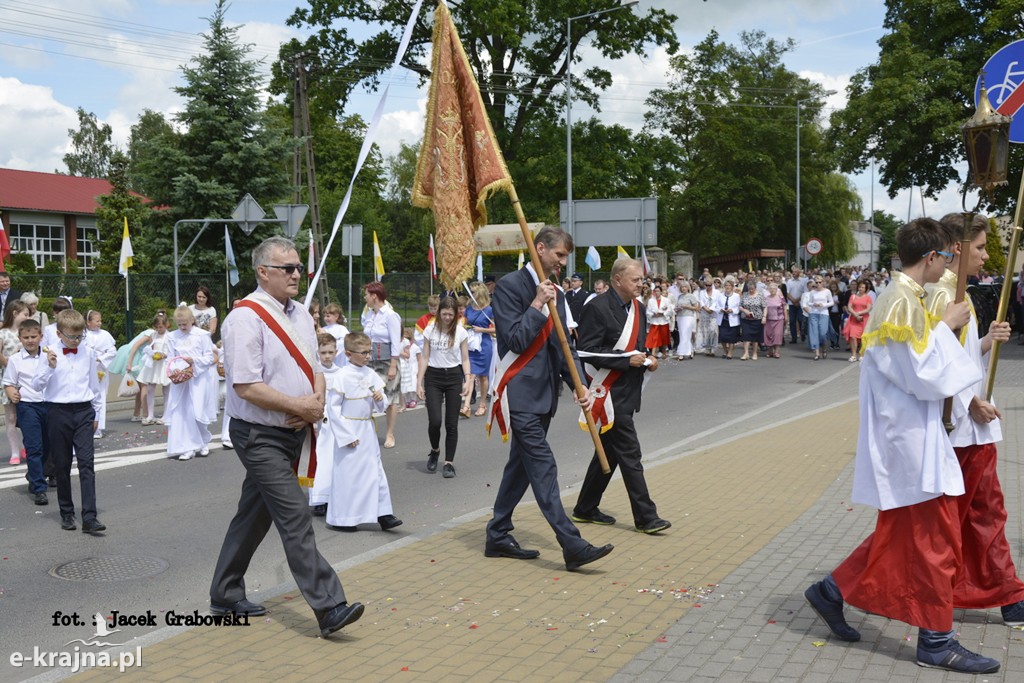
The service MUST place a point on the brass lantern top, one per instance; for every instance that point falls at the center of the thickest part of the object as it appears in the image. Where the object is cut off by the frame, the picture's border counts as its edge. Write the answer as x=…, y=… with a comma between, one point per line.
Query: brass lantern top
x=987, y=139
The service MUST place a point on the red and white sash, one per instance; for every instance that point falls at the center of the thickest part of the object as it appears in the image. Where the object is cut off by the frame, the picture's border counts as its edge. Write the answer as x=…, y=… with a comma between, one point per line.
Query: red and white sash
x=273, y=317
x=602, y=409
x=508, y=367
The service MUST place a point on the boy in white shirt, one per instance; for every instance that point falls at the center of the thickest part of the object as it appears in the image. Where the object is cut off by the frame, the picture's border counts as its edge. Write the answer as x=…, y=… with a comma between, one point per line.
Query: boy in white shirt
x=30, y=405
x=70, y=385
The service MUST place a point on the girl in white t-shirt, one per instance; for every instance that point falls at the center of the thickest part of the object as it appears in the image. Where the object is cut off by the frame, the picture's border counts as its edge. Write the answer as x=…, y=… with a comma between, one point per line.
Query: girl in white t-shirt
x=444, y=377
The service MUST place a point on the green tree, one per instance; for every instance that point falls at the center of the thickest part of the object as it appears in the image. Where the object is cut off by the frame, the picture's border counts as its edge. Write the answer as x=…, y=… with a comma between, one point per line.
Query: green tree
x=726, y=173
x=887, y=225
x=111, y=213
x=152, y=157
x=91, y=147
x=517, y=48
x=996, y=263
x=906, y=109
x=228, y=146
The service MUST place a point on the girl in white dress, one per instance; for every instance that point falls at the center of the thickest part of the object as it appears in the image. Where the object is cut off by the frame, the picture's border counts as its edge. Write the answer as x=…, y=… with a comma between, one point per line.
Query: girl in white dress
x=154, y=357
x=191, y=366
x=105, y=347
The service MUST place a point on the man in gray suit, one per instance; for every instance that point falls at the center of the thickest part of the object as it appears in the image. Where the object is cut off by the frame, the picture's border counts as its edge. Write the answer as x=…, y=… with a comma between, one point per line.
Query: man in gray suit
x=275, y=392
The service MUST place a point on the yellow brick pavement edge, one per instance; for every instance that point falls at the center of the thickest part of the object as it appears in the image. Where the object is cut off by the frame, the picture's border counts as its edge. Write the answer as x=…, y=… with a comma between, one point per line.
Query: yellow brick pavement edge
x=438, y=609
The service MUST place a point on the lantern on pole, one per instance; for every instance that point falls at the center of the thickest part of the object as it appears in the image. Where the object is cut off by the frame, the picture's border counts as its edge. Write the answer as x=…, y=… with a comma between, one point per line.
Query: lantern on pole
x=987, y=139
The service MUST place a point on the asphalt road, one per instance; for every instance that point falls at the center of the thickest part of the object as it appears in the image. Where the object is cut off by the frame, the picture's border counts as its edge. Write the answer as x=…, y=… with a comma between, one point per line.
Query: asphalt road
x=167, y=518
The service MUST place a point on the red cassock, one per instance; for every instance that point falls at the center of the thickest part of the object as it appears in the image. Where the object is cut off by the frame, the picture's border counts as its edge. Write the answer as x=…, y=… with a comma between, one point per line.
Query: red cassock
x=986, y=577
x=906, y=570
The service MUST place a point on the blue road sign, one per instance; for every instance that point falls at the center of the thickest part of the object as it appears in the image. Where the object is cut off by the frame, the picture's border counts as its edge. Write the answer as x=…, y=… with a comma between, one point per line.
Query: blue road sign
x=1004, y=75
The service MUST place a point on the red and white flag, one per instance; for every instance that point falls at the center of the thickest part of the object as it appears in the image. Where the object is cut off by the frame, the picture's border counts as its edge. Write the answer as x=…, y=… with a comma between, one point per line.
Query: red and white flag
x=647, y=264
x=311, y=261
x=5, y=245
x=432, y=257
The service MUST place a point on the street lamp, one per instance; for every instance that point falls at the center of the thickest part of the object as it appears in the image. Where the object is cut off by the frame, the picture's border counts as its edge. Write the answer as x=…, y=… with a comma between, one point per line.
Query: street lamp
x=799, y=103
x=570, y=212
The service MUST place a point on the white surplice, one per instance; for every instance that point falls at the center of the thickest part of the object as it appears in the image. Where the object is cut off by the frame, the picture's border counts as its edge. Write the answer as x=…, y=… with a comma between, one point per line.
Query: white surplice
x=359, y=490
x=320, y=492
x=903, y=454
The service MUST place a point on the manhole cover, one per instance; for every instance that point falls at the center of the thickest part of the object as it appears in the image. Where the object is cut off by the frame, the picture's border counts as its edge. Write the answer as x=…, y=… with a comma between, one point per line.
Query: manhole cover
x=112, y=568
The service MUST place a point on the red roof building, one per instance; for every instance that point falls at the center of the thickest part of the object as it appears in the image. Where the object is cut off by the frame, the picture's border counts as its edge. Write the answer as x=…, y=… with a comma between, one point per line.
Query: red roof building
x=51, y=216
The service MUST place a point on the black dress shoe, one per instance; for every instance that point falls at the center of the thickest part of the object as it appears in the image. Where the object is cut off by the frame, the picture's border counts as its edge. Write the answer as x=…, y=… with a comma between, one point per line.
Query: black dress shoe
x=92, y=526
x=653, y=526
x=595, y=517
x=320, y=510
x=585, y=556
x=67, y=522
x=243, y=606
x=41, y=498
x=510, y=549
x=347, y=529
x=432, y=461
x=51, y=482
x=388, y=522
x=338, y=617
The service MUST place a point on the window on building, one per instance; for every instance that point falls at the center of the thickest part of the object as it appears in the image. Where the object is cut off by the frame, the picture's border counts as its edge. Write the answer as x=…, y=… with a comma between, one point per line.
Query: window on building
x=42, y=242
x=88, y=247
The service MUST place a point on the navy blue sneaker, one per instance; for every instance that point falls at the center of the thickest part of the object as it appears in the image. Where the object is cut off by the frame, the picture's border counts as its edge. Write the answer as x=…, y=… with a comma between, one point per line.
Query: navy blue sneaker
x=1013, y=615
x=831, y=612
x=953, y=656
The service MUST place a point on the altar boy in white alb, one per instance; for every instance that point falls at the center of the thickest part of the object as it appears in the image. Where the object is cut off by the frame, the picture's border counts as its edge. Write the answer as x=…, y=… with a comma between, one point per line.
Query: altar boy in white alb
x=905, y=465
x=359, y=487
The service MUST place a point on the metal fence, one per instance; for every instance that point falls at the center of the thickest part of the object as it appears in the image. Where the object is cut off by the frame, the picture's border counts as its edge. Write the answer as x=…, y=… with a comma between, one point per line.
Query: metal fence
x=128, y=306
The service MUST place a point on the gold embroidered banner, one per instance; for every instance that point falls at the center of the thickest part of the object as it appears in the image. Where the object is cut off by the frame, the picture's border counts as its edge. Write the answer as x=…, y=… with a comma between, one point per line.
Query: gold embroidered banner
x=460, y=164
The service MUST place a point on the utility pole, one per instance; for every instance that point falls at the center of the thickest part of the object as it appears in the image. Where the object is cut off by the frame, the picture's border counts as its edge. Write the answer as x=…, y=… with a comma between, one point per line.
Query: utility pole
x=302, y=130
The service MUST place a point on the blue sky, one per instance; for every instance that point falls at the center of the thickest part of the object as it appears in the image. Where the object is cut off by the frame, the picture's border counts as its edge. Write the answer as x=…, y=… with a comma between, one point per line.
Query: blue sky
x=118, y=57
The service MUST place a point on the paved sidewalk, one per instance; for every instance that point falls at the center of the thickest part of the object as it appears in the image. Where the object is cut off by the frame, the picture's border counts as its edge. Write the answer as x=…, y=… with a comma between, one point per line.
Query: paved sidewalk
x=716, y=598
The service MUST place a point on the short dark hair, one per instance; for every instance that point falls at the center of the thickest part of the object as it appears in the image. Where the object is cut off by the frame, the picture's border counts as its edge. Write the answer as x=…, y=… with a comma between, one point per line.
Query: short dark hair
x=28, y=324
x=326, y=338
x=552, y=237
x=918, y=238
x=954, y=224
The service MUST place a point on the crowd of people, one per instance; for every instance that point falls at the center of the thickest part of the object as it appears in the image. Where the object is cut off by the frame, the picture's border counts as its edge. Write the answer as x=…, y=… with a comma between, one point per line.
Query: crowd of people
x=751, y=310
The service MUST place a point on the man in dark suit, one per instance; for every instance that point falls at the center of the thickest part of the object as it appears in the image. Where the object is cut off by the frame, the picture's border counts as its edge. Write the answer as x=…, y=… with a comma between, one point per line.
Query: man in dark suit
x=613, y=325
x=528, y=397
x=7, y=295
x=576, y=296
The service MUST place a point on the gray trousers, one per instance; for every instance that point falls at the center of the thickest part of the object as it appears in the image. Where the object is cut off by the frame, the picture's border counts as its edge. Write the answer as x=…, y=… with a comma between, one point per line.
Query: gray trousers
x=271, y=493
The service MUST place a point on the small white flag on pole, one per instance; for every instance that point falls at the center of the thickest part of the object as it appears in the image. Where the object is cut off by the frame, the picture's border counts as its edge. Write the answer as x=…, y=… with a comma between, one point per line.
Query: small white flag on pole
x=229, y=255
x=593, y=259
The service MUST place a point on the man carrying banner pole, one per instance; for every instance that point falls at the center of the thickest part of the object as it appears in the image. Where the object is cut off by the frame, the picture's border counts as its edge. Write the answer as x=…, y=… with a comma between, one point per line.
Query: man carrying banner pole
x=458, y=169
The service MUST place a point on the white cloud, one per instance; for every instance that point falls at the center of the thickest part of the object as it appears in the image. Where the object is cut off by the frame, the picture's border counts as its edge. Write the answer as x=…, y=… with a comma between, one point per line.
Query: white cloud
x=29, y=115
x=397, y=127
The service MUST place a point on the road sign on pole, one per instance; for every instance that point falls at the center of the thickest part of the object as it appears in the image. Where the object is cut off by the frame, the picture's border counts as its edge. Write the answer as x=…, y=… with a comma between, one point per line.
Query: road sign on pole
x=248, y=214
x=1004, y=77
x=292, y=215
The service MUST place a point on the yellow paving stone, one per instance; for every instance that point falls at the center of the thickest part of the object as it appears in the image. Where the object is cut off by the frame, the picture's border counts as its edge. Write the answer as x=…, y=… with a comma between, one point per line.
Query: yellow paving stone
x=441, y=609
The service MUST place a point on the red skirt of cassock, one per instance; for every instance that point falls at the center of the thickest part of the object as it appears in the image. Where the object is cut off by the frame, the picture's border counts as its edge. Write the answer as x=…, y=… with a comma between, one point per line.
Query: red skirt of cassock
x=986, y=577
x=906, y=570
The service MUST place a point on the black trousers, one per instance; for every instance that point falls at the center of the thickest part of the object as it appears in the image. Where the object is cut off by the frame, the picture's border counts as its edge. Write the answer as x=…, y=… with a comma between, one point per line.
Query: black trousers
x=622, y=448
x=531, y=464
x=70, y=430
x=271, y=494
x=443, y=385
